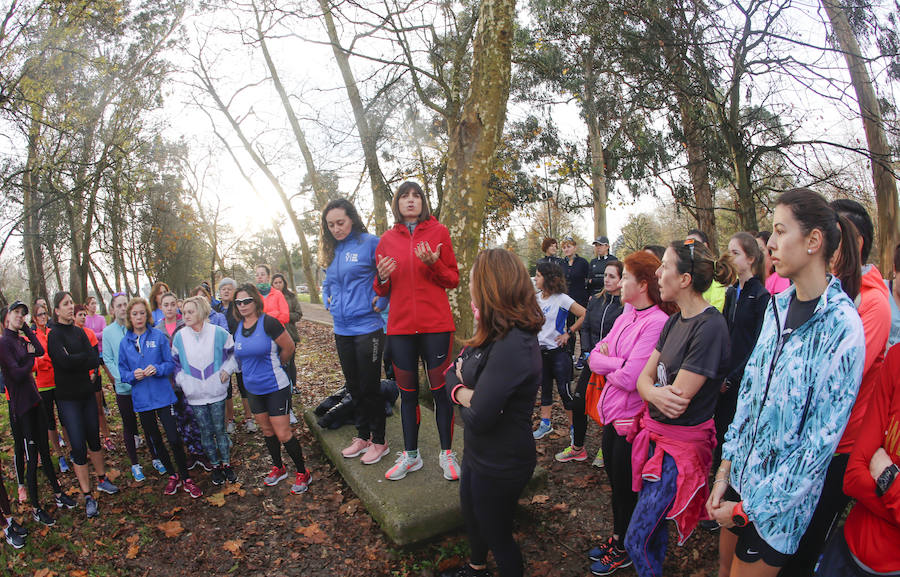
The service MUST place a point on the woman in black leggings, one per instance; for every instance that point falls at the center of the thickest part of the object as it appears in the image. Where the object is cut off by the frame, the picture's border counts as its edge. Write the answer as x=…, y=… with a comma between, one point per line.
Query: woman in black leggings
x=495, y=380
x=17, y=361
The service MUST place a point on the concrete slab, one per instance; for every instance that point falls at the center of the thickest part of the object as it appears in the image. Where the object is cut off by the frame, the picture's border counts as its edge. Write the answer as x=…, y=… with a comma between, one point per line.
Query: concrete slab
x=414, y=509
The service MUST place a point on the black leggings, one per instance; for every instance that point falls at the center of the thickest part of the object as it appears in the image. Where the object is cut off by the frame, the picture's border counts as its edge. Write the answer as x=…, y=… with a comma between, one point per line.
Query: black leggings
x=5, y=508
x=488, y=506
x=360, y=358
x=34, y=429
x=435, y=350
x=831, y=504
x=18, y=446
x=617, y=462
x=81, y=420
x=130, y=428
x=166, y=416
x=579, y=417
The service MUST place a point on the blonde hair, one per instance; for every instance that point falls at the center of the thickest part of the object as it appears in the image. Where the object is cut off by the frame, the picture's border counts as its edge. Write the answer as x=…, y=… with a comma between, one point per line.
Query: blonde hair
x=202, y=304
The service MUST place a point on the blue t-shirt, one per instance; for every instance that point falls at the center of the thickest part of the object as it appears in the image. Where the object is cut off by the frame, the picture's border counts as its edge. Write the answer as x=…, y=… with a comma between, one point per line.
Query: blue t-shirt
x=257, y=354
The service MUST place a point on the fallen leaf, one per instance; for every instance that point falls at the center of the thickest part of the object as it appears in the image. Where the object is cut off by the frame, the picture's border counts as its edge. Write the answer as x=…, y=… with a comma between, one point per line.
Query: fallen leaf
x=132, y=552
x=217, y=499
x=235, y=489
x=132, y=539
x=78, y=573
x=234, y=546
x=171, y=528
x=350, y=507
x=312, y=533
x=540, y=498
x=113, y=474
x=171, y=512
x=45, y=573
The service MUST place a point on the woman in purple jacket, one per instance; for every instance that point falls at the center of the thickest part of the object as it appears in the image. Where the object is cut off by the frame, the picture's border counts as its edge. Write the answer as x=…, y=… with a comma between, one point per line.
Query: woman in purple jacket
x=620, y=357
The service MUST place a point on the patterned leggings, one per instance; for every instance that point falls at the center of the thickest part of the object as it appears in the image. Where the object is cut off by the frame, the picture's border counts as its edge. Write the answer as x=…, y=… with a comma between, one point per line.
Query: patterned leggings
x=648, y=536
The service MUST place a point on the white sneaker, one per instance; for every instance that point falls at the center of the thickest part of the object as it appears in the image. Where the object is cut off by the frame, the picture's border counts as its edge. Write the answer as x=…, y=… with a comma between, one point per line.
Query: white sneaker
x=293, y=418
x=449, y=465
x=229, y=428
x=403, y=465
x=251, y=426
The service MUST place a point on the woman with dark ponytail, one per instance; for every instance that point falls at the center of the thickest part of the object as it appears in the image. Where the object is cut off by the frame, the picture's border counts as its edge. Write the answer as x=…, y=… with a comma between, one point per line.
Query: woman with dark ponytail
x=673, y=436
x=798, y=388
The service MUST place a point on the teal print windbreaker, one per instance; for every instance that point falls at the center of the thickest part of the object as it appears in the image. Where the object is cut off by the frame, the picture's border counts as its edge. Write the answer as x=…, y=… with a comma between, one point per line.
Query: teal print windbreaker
x=793, y=405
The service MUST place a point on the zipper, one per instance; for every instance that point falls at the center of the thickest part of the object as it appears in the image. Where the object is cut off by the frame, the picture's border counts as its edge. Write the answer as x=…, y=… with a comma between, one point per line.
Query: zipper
x=618, y=336
x=412, y=271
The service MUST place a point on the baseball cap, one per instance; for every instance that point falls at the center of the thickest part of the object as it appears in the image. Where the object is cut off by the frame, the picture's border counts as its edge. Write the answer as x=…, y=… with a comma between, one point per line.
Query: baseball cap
x=601, y=240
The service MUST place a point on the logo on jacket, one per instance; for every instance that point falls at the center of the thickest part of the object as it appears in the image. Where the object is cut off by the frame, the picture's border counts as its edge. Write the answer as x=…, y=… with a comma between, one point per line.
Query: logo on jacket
x=151, y=344
x=351, y=257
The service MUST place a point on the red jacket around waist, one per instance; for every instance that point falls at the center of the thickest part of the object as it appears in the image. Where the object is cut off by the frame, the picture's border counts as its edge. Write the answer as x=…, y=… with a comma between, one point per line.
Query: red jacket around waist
x=418, y=292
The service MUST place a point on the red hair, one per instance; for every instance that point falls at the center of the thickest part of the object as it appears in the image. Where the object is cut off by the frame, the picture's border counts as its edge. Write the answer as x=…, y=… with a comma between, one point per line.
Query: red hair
x=642, y=265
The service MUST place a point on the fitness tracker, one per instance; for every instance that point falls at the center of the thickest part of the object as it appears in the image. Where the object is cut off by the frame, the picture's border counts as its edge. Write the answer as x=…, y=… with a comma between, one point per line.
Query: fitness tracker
x=738, y=516
x=884, y=481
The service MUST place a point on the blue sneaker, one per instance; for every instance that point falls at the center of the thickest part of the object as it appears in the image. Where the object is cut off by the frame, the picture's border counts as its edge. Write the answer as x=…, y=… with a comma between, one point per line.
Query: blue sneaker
x=107, y=487
x=90, y=507
x=614, y=559
x=160, y=468
x=137, y=472
x=543, y=430
x=63, y=466
x=600, y=551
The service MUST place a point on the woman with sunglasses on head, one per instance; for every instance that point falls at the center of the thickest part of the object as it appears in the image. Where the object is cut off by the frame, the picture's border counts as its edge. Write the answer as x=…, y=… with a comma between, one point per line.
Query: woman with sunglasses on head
x=349, y=258
x=73, y=359
x=673, y=438
x=145, y=363
x=17, y=357
x=495, y=381
x=262, y=348
x=620, y=357
x=799, y=386
x=45, y=381
x=416, y=268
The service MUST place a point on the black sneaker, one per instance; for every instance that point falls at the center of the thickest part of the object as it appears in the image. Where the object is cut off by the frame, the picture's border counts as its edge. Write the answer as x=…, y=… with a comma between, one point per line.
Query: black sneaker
x=218, y=477
x=17, y=529
x=65, y=501
x=42, y=516
x=229, y=474
x=14, y=539
x=466, y=571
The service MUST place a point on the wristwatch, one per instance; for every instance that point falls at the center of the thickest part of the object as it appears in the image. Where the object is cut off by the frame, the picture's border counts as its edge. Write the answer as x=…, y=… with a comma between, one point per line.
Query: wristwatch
x=738, y=516
x=886, y=479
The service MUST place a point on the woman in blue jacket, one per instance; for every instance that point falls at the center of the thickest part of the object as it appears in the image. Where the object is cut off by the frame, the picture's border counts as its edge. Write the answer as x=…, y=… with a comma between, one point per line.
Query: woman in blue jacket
x=145, y=363
x=349, y=255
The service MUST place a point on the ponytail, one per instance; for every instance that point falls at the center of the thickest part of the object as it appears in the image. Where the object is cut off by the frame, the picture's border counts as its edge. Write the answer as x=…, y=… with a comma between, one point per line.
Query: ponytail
x=725, y=271
x=703, y=266
x=846, y=265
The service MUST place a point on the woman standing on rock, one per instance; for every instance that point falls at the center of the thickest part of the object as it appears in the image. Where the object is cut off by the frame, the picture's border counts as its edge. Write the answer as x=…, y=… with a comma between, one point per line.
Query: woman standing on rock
x=358, y=334
x=416, y=267
x=495, y=380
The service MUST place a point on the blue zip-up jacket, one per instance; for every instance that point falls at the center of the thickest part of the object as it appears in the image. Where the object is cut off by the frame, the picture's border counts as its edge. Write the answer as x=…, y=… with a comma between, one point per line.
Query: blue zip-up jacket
x=793, y=405
x=137, y=352
x=347, y=291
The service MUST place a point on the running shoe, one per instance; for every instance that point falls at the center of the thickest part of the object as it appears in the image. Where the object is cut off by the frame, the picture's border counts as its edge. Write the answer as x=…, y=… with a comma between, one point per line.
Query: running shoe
x=293, y=418
x=301, y=483
x=14, y=539
x=251, y=426
x=62, y=443
x=403, y=465
x=17, y=529
x=570, y=454
x=449, y=465
x=43, y=517
x=275, y=476
x=173, y=485
x=107, y=487
x=137, y=472
x=191, y=489
x=64, y=501
x=192, y=463
x=600, y=551
x=356, y=448
x=218, y=477
x=205, y=464
x=138, y=441
x=160, y=468
x=229, y=428
x=579, y=364
x=374, y=453
x=90, y=507
x=598, y=460
x=614, y=559
x=63, y=466
x=228, y=472
x=109, y=445
x=543, y=430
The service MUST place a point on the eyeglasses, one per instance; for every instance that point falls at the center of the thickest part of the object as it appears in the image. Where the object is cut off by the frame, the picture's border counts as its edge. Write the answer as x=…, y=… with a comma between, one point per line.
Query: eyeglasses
x=40, y=314
x=246, y=301
x=119, y=294
x=690, y=244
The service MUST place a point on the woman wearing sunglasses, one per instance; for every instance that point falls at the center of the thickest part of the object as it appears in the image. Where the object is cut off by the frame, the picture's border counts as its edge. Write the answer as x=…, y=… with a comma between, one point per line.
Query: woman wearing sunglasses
x=262, y=347
x=673, y=438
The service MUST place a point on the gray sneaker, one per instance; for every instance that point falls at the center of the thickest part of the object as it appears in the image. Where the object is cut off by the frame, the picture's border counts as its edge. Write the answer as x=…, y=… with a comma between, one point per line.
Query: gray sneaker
x=90, y=507
x=403, y=465
x=107, y=487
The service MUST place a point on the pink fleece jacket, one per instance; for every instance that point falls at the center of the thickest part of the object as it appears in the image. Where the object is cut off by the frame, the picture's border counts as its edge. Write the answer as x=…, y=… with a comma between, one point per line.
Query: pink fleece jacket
x=691, y=448
x=631, y=341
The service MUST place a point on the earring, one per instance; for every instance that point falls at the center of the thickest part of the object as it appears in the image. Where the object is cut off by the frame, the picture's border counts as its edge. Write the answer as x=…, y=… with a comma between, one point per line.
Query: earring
x=809, y=251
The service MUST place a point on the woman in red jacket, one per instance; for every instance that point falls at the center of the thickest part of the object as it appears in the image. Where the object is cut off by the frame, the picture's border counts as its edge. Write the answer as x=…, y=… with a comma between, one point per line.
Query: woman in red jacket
x=416, y=266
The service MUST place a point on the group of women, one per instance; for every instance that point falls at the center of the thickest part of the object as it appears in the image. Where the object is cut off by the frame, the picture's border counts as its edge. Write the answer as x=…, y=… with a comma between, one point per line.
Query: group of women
x=761, y=393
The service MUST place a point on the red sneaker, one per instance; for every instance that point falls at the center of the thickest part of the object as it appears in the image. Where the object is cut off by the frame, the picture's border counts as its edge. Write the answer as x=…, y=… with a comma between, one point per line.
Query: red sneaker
x=192, y=489
x=275, y=476
x=301, y=483
x=173, y=485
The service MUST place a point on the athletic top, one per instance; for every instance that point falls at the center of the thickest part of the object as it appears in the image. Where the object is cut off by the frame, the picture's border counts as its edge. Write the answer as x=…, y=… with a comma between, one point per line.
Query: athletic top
x=576, y=278
x=556, y=309
x=96, y=323
x=43, y=366
x=151, y=347
x=347, y=291
x=73, y=359
x=112, y=336
x=257, y=355
x=17, y=362
x=894, y=338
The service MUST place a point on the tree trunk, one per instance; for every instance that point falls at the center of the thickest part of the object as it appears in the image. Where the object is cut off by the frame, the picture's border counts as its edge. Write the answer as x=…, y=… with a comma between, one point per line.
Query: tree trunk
x=287, y=259
x=381, y=193
x=888, y=218
x=473, y=144
x=34, y=257
x=698, y=169
x=598, y=161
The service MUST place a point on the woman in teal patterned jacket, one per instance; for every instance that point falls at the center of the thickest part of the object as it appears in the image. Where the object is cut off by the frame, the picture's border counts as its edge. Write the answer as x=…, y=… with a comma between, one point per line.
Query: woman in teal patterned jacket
x=797, y=391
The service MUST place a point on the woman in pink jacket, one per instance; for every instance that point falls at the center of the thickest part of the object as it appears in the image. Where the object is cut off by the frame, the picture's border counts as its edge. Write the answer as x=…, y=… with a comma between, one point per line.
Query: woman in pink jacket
x=620, y=356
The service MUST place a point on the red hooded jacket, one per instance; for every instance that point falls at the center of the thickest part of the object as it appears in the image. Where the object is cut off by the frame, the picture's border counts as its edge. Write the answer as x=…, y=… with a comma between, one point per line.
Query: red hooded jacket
x=418, y=292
